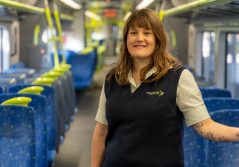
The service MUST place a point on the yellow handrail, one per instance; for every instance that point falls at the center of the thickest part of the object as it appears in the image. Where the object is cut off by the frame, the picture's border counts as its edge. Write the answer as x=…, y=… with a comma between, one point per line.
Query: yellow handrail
x=59, y=29
x=50, y=24
x=21, y=6
x=64, y=16
x=194, y=5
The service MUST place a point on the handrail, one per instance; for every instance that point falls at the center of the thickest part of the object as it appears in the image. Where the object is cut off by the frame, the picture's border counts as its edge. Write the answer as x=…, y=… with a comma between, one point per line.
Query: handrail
x=59, y=29
x=193, y=5
x=64, y=16
x=50, y=24
x=21, y=6
x=31, y=9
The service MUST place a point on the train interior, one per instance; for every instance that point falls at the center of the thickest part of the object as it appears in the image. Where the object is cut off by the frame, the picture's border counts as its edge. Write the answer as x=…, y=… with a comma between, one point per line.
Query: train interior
x=54, y=55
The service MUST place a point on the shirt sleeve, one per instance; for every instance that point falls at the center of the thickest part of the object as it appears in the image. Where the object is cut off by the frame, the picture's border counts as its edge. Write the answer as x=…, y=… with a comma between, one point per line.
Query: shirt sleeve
x=189, y=99
x=100, y=116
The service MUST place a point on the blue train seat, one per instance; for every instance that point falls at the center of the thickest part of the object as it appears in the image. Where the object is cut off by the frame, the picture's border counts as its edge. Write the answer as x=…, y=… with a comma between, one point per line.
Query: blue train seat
x=28, y=71
x=215, y=92
x=1, y=89
x=194, y=150
x=218, y=103
x=61, y=103
x=68, y=93
x=38, y=103
x=5, y=82
x=17, y=145
x=49, y=94
x=19, y=77
x=83, y=67
x=224, y=154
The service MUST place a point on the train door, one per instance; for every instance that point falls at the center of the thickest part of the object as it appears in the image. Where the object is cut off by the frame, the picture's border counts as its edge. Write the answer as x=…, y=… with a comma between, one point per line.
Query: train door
x=208, y=56
x=232, y=63
x=4, y=48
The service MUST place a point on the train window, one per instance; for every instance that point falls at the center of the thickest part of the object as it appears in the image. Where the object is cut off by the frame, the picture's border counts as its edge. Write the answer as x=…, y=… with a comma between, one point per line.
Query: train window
x=208, y=59
x=232, y=63
x=4, y=48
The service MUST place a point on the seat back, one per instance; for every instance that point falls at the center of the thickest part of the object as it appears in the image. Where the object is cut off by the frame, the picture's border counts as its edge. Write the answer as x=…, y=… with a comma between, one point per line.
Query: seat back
x=218, y=103
x=29, y=72
x=48, y=93
x=17, y=145
x=194, y=150
x=19, y=77
x=5, y=82
x=223, y=154
x=1, y=90
x=215, y=92
x=38, y=103
x=83, y=67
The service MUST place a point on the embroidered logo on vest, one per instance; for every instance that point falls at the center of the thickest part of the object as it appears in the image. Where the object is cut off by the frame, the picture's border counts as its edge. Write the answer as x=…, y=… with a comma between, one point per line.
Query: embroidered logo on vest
x=158, y=93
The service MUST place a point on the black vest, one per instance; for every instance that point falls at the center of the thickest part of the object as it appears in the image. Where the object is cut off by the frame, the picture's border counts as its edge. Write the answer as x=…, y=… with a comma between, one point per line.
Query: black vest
x=145, y=127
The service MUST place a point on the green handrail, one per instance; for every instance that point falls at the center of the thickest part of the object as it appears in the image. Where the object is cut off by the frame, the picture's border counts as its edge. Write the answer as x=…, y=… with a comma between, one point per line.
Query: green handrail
x=50, y=24
x=59, y=29
x=21, y=6
x=64, y=16
x=194, y=5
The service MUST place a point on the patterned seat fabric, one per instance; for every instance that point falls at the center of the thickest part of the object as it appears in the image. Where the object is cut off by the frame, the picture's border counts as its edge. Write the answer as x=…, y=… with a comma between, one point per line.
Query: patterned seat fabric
x=83, y=67
x=38, y=103
x=194, y=150
x=224, y=154
x=5, y=82
x=215, y=92
x=17, y=145
x=51, y=116
x=218, y=103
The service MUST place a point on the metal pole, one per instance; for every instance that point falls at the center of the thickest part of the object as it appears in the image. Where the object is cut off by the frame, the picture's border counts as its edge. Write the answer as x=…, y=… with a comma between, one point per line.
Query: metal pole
x=194, y=5
x=21, y=6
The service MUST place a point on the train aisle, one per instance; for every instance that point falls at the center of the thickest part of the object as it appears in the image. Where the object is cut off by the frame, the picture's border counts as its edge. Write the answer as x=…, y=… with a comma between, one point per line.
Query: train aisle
x=75, y=151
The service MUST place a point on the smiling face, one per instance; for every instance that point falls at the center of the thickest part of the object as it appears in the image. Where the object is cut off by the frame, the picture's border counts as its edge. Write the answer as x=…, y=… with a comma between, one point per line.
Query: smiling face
x=140, y=43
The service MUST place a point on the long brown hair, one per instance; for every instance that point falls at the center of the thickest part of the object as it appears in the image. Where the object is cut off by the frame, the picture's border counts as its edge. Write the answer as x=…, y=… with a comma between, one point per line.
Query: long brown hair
x=160, y=58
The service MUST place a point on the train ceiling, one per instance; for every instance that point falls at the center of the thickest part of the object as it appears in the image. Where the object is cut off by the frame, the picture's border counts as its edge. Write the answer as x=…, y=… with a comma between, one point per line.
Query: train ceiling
x=217, y=12
x=117, y=9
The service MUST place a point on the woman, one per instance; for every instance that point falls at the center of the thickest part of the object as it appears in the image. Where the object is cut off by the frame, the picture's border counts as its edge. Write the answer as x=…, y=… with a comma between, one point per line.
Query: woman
x=144, y=100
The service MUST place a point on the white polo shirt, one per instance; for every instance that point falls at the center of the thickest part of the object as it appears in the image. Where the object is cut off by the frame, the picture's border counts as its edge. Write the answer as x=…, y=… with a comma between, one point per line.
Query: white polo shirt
x=188, y=99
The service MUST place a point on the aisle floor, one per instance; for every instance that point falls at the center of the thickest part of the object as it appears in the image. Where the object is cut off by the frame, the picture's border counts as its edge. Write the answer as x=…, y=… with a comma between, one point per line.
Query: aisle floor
x=76, y=149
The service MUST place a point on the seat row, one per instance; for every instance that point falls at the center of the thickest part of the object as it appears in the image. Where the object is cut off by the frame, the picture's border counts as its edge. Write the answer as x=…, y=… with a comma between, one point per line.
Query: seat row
x=200, y=152
x=49, y=112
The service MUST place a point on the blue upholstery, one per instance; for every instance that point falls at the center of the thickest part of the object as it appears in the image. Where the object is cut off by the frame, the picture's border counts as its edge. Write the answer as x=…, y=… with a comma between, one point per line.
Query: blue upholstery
x=28, y=71
x=83, y=68
x=5, y=82
x=19, y=77
x=50, y=116
x=38, y=103
x=18, y=65
x=218, y=103
x=194, y=150
x=215, y=92
x=224, y=154
x=1, y=90
x=17, y=145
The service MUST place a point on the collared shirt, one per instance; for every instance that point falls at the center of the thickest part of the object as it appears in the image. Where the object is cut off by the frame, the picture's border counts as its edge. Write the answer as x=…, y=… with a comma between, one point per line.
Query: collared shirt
x=189, y=99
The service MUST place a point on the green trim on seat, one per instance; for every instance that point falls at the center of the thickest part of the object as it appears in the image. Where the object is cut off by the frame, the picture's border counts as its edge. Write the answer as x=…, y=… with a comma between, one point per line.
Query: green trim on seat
x=18, y=101
x=44, y=81
x=65, y=66
x=60, y=70
x=52, y=74
x=31, y=90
